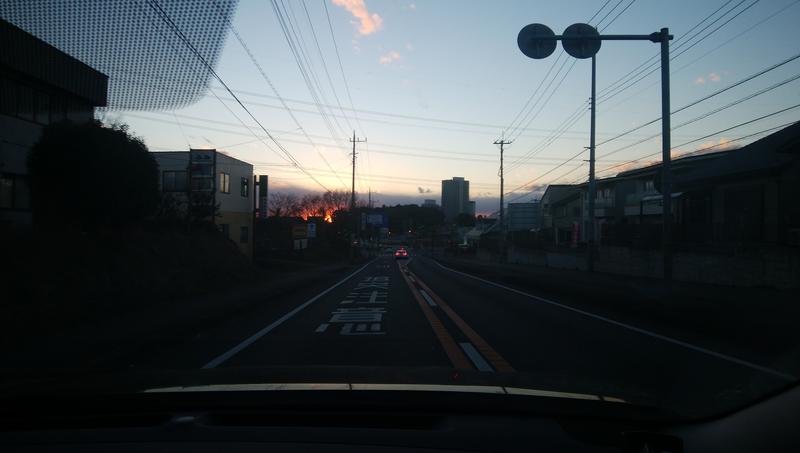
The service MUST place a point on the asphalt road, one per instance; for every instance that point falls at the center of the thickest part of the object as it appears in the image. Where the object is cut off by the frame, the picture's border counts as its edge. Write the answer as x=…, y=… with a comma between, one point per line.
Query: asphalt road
x=416, y=314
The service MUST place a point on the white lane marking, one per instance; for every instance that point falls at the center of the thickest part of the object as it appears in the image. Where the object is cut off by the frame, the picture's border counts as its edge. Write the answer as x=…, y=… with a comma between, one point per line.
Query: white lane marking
x=239, y=347
x=475, y=356
x=427, y=298
x=322, y=328
x=373, y=295
x=718, y=355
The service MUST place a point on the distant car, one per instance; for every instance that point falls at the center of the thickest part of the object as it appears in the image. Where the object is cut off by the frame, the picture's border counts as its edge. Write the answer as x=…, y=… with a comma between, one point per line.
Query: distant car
x=401, y=254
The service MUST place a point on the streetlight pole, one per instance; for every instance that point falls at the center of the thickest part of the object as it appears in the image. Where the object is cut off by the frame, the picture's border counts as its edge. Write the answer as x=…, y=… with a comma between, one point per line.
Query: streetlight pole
x=666, y=157
x=583, y=41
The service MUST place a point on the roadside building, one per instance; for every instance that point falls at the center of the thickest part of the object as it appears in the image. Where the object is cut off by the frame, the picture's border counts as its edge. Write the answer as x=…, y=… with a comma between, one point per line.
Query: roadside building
x=561, y=216
x=524, y=216
x=455, y=198
x=39, y=85
x=739, y=195
x=214, y=178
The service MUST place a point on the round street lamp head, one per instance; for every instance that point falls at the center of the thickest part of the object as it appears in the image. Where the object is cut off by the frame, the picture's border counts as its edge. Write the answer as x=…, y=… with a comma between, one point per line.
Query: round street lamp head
x=536, y=41
x=581, y=40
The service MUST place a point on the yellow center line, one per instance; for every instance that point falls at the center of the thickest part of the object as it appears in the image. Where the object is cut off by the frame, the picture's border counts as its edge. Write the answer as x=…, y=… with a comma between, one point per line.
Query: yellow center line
x=454, y=353
x=489, y=353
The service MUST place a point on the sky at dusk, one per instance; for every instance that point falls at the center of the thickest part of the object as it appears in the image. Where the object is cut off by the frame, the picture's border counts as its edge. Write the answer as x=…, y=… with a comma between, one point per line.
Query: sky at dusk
x=434, y=83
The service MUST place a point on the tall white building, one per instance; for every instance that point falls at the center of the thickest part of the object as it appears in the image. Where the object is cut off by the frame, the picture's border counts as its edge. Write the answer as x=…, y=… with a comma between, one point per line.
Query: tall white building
x=455, y=198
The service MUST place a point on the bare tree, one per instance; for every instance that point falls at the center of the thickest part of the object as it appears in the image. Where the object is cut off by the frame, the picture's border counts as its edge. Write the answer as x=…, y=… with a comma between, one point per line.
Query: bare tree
x=313, y=205
x=336, y=200
x=284, y=205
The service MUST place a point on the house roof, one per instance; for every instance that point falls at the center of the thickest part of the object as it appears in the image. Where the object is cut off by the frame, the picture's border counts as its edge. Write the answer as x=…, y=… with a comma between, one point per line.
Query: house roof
x=762, y=156
x=557, y=192
x=28, y=55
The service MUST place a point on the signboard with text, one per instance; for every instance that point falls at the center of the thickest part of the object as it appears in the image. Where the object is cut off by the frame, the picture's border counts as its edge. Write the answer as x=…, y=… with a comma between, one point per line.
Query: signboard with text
x=299, y=231
x=263, y=191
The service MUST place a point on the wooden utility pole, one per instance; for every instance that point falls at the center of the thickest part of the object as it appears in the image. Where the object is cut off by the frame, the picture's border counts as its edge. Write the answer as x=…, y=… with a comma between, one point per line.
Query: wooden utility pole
x=502, y=142
x=354, y=140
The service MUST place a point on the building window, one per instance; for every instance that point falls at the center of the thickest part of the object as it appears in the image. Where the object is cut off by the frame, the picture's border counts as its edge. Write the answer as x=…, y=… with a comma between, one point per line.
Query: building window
x=8, y=97
x=224, y=228
x=245, y=189
x=225, y=182
x=649, y=186
x=14, y=192
x=6, y=191
x=244, y=234
x=26, y=103
x=42, y=114
x=173, y=181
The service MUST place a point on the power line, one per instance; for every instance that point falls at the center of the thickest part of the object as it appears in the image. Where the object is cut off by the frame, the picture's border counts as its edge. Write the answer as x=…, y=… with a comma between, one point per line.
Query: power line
x=610, y=95
x=705, y=98
x=171, y=24
x=655, y=57
x=544, y=144
x=294, y=27
x=704, y=148
x=676, y=146
x=324, y=65
x=702, y=21
x=263, y=73
x=447, y=154
x=513, y=126
x=296, y=53
x=709, y=113
x=344, y=80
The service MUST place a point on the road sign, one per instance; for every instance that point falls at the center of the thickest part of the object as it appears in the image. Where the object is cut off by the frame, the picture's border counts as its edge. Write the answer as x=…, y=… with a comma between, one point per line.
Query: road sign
x=581, y=40
x=299, y=231
x=536, y=41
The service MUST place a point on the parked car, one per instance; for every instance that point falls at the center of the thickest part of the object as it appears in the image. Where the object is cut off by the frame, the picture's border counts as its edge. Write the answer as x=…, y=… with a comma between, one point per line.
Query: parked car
x=401, y=254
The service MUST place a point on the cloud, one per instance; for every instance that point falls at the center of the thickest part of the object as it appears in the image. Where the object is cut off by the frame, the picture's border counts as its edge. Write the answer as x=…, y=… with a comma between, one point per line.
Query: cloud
x=412, y=6
x=369, y=22
x=389, y=58
x=409, y=46
x=723, y=144
x=423, y=190
x=711, y=77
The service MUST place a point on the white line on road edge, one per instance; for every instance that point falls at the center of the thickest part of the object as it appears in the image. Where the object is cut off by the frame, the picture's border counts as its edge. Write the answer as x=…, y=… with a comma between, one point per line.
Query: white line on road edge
x=754, y=366
x=476, y=358
x=238, y=348
x=427, y=298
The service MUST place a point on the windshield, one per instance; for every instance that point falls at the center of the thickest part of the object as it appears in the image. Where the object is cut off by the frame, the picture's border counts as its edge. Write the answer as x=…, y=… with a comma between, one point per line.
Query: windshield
x=587, y=200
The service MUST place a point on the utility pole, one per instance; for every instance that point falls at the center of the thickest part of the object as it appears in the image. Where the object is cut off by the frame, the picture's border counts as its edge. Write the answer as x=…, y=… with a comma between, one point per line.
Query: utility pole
x=354, y=140
x=502, y=142
x=590, y=236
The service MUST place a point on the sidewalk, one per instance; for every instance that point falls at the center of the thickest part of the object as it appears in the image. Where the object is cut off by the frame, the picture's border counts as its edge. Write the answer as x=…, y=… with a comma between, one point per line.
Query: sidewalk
x=760, y=324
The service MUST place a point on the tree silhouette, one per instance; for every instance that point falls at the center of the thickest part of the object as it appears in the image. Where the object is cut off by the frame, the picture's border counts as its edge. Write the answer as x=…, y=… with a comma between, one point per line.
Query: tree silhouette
x=90, y=176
